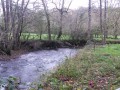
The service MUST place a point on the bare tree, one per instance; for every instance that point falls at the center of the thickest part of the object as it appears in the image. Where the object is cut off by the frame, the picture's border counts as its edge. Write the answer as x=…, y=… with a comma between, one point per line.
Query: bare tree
x=101, y=21
x=114, y=19
x=89, y=22
x=47, y=17
x=13, y=15
x=5, y=8
x=105, y=23
x=61, y=9
x=116, y=25
x=39, y=23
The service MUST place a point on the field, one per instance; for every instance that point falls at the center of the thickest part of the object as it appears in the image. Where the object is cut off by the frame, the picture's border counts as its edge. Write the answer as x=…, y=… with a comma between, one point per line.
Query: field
x=33, y=36
x=109, y=38
x=90, y=69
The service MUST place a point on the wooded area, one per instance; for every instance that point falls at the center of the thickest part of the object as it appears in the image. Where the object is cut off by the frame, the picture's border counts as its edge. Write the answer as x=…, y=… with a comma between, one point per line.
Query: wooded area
x=47, y=45
x=21, y=18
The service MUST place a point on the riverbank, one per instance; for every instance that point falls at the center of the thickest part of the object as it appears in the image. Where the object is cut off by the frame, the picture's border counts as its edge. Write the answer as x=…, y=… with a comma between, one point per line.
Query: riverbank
x=14, y=54
x=30, y=46
x=92, y=69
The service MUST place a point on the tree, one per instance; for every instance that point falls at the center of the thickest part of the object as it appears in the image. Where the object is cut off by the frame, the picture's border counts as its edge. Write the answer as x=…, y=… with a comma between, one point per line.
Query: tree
x=116, y=24
x=5, y=8
x=61, y=9
x=13, y=14
x=39, y=23
x=78, y=21
x=20, y=16
x=101, y=21
x=114, y=18
x=89, y=22
x=47, y=17
x=105, y=23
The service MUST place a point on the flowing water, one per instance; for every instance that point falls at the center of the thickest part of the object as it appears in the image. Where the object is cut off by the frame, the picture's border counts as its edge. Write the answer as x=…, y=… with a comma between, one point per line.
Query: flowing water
x=30, y=67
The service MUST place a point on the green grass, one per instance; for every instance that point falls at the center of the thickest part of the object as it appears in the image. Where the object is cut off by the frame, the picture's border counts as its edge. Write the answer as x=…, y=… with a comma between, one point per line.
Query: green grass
x=91, y=69
x=110, y=38
x=112, y=50
x=33, y=36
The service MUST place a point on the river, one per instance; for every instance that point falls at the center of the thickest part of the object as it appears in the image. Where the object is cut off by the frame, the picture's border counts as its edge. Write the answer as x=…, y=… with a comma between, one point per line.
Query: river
x=31, y=66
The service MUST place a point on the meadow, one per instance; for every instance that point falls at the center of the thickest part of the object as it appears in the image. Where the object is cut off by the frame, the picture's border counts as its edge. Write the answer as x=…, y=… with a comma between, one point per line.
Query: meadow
x=34, y=36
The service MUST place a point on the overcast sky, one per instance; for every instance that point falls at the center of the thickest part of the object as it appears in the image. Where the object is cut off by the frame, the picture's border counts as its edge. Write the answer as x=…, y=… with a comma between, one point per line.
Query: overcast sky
x=77, y=3
x=74, y=5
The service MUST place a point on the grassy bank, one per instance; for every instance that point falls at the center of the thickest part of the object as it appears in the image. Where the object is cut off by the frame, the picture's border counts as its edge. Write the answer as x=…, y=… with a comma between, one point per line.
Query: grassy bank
x=91, y=69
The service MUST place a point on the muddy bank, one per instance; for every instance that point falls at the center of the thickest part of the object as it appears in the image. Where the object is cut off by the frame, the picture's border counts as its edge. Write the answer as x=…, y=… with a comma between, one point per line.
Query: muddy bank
x=14, y=54
x=38, y=45
x=30, y=46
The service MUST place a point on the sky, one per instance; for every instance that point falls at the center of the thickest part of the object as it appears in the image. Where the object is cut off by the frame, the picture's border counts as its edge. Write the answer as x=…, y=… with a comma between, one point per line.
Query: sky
x=74, y=5
x=79, y=3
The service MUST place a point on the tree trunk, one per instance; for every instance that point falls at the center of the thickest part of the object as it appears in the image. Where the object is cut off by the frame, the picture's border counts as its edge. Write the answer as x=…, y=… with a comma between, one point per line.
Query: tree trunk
x=60, y=27
x=101, y=21
x=116, y=30
x=89, y=38
x=105, y=24
x=48, y=19
x=20, y=11
x=5, y=14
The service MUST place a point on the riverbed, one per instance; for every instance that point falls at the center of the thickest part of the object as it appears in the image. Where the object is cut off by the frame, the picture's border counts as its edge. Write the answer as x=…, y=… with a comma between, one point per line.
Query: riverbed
x=31, y=66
